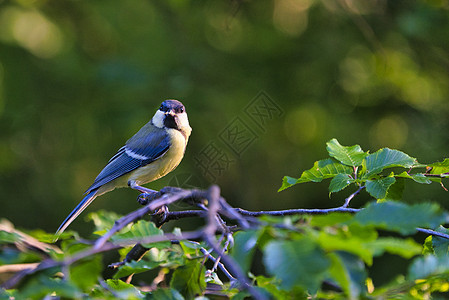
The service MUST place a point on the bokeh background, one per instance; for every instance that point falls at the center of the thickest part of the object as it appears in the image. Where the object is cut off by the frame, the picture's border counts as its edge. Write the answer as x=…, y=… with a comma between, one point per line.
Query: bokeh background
x=78, y=78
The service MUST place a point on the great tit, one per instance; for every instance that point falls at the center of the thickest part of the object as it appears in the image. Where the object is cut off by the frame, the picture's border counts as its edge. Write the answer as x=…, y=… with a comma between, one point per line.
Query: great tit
x=154, y=151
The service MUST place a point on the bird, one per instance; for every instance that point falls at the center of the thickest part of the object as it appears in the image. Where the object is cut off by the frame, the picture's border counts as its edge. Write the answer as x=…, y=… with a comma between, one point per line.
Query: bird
x=154, y=151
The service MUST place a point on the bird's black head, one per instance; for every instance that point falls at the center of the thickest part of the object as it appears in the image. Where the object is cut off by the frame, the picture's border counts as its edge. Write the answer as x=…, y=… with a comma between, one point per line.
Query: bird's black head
x=172, y=105
x=172, y=111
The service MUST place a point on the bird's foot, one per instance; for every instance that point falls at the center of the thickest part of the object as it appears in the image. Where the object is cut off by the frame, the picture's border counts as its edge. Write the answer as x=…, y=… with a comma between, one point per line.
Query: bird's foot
x=160, y=215
x=146, y=198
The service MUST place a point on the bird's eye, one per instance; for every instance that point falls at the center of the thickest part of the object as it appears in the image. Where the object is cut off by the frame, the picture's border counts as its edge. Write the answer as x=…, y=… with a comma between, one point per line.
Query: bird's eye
x=181, y=110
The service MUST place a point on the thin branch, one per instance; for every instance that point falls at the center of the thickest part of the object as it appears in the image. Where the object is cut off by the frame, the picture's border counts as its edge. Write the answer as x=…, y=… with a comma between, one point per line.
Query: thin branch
x=299, y=211
x=347, y=200
x=165, y=199
x=209, y=237
x=433, y=232
x=49, y=263
x=13, y=268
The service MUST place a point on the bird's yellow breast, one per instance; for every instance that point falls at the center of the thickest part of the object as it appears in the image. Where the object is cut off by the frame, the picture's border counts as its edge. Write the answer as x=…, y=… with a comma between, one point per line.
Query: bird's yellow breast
x=165, y=164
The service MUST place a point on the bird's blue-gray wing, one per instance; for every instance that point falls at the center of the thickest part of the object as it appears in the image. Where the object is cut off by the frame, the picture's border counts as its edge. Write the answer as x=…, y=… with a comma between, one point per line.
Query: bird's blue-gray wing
x=139, y=151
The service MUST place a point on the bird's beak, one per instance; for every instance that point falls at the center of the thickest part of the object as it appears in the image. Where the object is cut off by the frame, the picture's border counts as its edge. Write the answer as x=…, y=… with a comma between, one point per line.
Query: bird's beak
x=171, y=113
x=171, y=120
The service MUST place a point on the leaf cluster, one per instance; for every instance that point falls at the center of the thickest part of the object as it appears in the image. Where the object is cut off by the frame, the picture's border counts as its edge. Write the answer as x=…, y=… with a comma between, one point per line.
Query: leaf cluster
x=305, y=255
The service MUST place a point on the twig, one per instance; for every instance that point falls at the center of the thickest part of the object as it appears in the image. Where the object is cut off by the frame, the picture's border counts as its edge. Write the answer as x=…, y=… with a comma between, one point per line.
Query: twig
x=209, y=237
x=230, y=212
x=165, y=199
x=299, y=211
x=433, y=232
x=13, y=268
x=347, y=200
x=220, y=265
x=49, y=263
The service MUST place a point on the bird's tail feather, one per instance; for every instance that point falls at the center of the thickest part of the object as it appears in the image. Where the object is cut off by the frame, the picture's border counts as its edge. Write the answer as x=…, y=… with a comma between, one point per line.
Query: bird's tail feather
x=76, y=211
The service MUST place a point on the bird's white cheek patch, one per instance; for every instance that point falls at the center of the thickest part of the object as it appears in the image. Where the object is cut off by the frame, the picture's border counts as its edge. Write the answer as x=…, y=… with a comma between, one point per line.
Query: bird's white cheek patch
x=158, y=119
x=184, y=123
x=183, y=120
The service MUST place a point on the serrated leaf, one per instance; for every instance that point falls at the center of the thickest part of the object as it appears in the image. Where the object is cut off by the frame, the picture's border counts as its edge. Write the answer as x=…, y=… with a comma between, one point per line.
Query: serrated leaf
x=189, y=279
x=350, y=156
x=140, y=230
x=440, y=167
x=378, y=188
x=386, y=158
x=395, y=191
x=287, y=182
x=322, y=169
x=426, y=266
x=244, y=246
x=339, y=182
x=299, y=262
x=400, y=217
x=419, y=178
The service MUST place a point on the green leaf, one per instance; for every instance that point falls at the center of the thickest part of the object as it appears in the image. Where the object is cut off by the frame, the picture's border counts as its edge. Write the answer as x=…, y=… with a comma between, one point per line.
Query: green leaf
x=378, y=188
x=406, y=248
x=165, y=294
x=287, y=182
x=400, y=217
x=349, y=272
x=322, y=169
x=350, y=156
x=427, y=246
x=143, y=229
x=39, y=287
x=426, y=266
x=441, y=245
x=339, y=182
x=244, y=246
x=135, y=267
x=386, y=158
x=85, y=274
x=395, y=191
x=354, y=245
x=189, y=279
x=299, y=262
x=419, y=178
x=103, y=220
x=271, y=285
x=8, y=237
x=440, y=167
x=330, y=219
x=123, y=290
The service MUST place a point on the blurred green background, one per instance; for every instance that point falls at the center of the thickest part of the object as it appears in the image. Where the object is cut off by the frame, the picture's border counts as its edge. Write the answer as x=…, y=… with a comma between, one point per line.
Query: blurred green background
x=78, y=78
